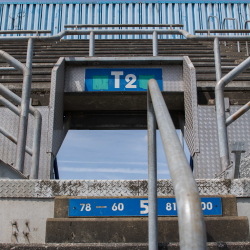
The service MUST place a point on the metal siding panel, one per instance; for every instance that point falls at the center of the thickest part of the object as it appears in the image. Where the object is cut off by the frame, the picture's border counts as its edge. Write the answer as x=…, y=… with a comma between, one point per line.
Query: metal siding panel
x=170, y=18
x=24, y=18
x=144, y=18
x=137, y=17
x=50, y=18
x=44, y=18
x=104, y=18
x=17, y=18
x=150, y=17
x=5, y=18
x=177, y=16
x=56, y=27
x=130, y=17
x=190, y=18
x=216, y=13
x=31, y=13
x=11, y=18
x=84, y=9
x=97, y=17
x=37, y=17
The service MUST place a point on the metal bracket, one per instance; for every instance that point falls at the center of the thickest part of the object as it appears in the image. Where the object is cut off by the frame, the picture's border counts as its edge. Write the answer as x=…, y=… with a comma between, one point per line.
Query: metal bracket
x=237, y=148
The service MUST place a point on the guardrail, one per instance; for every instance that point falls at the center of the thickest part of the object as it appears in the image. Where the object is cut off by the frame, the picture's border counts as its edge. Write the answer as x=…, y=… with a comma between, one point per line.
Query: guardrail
x=191, y=223
x=23, y=113
x=220, y=105
x=93, y=32
x=76, y=26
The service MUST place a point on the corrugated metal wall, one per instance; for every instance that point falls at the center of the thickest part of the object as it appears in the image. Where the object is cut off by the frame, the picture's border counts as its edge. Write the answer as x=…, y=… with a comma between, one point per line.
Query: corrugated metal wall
x=54, y=16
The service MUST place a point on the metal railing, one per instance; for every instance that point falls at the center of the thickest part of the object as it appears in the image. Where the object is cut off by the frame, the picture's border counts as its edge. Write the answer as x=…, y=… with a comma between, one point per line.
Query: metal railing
x=191, y=223
x=76, y=26
x=155, y=32
x=208, y=23
x=222, y=123
x=23, y=113
x=245, y=27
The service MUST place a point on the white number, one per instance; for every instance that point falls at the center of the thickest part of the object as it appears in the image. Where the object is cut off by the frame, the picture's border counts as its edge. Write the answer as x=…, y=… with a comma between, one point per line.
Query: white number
x=130, y=82
x=174, y=204
x=168, y=206
x=145, y=206
x=209, y=205
x=88, y=207
x=203, y=205
x=120, y=207
x=83, y=205
x=117, y=75
x=114, y=207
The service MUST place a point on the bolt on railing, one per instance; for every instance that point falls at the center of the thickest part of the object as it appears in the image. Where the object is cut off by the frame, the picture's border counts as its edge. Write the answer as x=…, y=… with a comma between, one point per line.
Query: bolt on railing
x=191, y=223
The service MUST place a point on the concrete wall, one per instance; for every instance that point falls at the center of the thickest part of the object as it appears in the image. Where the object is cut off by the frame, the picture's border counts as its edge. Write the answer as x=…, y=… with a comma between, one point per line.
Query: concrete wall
x=24, y=220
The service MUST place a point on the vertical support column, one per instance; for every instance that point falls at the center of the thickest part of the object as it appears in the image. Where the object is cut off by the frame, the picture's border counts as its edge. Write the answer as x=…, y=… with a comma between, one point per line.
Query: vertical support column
x=220, y=110
x=152, y=178
x=155, y=43
x=92, y=44
x=23, y=121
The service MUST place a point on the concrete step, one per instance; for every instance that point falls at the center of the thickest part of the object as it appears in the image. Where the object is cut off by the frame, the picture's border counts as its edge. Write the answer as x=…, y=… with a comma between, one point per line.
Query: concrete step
x=120, y=246
x=135, y=230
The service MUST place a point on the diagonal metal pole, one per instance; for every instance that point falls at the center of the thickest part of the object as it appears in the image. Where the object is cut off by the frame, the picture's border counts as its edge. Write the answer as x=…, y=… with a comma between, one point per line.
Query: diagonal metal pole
x=152, y=178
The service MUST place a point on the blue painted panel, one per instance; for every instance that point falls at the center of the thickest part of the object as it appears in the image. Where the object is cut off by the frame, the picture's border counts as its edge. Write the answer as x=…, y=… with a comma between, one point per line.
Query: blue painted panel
x=134, y=207
x=126, y=79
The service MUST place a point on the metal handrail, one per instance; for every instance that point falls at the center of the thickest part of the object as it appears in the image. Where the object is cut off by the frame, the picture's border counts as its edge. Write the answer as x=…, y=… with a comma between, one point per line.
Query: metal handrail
x=23, y=121
x=120, y=25
x=191, y=223
x=236, y=24
x=219, y=101
x=208, y=24
x=4, y=132
x=245, y=27
x=25, y=31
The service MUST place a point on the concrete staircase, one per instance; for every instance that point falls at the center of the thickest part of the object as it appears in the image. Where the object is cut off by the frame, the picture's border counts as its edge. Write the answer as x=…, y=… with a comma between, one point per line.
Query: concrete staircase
x=134, y=230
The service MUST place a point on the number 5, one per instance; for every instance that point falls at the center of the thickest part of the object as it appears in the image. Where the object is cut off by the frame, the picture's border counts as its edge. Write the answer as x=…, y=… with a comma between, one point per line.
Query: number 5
x=143, y=205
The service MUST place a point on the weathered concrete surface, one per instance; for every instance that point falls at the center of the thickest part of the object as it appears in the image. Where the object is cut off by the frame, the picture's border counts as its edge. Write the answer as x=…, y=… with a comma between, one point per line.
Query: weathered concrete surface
x=121, y=246
x=135, y=230
x=34, y=212
x=61, y=207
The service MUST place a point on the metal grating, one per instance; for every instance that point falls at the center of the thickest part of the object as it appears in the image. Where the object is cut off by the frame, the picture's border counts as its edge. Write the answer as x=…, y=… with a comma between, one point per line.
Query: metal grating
x=52, y=188
x=190, y=105
x=10, y=122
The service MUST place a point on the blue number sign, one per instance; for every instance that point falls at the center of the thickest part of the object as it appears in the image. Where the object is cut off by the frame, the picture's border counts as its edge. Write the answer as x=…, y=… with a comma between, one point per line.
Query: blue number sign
x=135, y=207
x=127, y=79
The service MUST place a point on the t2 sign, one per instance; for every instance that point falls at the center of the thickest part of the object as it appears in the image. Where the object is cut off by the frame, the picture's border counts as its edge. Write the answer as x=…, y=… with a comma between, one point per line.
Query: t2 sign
x=126, y=79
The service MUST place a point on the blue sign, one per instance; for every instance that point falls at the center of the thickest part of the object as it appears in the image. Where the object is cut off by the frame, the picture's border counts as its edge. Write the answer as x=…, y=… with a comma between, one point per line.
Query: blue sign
x=127, y=79
x=134, y=207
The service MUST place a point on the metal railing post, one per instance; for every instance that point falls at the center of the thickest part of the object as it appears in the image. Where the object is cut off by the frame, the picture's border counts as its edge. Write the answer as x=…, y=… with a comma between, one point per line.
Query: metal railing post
x=155, y=43
x=217, y=59
x=220, y=111
x=152, y=178
x=92, y=44
x=29, y=57
x=192, y=232
x=208, y=23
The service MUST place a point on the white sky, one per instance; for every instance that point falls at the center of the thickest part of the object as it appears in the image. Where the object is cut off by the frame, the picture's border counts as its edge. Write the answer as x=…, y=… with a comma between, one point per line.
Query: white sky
x=109, y=155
